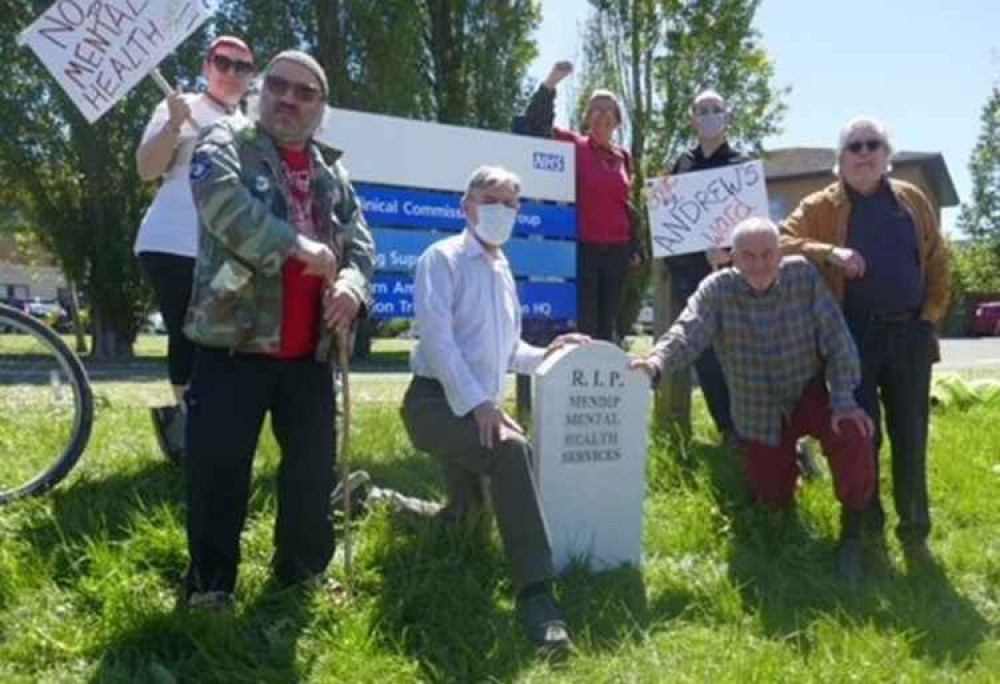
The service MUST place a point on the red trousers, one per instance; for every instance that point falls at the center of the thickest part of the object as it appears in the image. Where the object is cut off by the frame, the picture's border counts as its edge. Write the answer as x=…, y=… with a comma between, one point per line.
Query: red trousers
x=772, y=471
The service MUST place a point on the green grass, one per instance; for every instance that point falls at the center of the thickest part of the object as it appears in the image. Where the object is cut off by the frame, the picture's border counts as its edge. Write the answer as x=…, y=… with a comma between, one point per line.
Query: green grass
x=89, y=575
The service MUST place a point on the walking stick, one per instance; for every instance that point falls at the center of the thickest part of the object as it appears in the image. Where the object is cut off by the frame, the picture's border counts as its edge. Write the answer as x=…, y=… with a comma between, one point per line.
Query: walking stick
x=344, y=355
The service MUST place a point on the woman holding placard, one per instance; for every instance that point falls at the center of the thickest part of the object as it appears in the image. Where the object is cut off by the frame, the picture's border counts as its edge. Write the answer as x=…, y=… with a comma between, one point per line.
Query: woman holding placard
x=168, y=237
x=606, y=239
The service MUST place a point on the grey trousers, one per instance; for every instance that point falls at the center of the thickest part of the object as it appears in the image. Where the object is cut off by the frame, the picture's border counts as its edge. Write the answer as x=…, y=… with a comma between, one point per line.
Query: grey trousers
x=454, y=442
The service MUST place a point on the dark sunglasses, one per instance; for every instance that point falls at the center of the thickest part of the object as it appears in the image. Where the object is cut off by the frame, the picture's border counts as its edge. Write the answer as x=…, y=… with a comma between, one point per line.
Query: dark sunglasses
x=872, y=145
x=224, y=64
x=301, y=91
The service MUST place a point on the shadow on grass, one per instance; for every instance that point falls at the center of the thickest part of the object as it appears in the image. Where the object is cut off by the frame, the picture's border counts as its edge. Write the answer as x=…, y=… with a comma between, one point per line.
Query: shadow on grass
x=785, y=571
x=443, y=599
x=99, y=505
x=257, y=643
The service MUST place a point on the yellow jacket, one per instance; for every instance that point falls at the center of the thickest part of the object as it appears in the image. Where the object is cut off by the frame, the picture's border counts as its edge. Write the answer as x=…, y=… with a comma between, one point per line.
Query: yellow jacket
x=819, y=224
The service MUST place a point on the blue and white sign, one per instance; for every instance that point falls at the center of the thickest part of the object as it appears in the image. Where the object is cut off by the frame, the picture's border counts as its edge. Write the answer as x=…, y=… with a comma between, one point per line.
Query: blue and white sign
x=397, y=251
x=410, y=177
x=405, y=208
x=539, y=300
x=419, y=154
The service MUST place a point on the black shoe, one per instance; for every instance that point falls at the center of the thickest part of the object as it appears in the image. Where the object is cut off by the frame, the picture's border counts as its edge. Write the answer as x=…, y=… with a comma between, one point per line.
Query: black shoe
x=849, y=557
x=544, y=625
x=168, y=426
x=918, y=557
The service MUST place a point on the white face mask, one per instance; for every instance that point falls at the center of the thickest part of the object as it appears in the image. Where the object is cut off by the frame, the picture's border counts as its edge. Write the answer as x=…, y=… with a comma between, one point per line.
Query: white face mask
x=712, y=125
x=495, y=223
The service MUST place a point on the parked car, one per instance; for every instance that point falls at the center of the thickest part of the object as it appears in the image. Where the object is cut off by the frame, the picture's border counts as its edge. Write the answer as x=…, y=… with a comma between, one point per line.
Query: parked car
x=986, y=320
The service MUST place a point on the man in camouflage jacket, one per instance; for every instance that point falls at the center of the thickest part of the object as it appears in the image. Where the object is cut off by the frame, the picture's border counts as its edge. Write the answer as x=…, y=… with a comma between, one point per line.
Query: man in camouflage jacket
x=284, y=262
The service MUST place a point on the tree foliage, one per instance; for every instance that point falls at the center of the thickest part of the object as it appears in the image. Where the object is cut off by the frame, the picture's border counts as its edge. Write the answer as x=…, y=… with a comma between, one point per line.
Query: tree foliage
x=657, y=55
x=980, y=217
x=76, y=185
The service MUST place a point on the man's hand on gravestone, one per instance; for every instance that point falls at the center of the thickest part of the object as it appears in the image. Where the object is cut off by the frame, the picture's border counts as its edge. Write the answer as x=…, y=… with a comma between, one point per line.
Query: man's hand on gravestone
x=566, y=340
x=647, y=366
x=861, y=420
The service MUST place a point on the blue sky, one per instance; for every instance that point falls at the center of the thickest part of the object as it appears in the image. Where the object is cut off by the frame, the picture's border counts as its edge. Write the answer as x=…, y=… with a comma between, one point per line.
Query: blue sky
x=925, y=67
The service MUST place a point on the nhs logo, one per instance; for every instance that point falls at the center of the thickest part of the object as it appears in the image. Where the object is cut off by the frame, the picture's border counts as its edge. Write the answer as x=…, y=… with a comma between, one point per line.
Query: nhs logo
x=545, y=161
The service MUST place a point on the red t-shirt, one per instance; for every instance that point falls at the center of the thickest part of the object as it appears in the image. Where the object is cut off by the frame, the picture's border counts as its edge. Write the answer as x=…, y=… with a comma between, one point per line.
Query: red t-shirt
x=602, y=190
x=300, y=302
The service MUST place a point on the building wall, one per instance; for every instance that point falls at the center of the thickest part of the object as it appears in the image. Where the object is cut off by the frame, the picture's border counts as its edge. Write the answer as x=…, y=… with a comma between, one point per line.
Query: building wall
x=22, y=281
x=785, y=194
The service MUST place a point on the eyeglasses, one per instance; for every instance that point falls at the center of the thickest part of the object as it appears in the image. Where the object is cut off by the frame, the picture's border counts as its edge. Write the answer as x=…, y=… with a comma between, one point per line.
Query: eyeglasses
x=873, y=145
x=224, y=64
x=302, y=92
x=709, y=109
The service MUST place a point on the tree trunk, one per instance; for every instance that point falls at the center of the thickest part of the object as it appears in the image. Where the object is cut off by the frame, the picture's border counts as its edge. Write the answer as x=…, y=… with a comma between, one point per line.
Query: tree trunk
x=78, y=331
x=108, y=343
x=672, y=410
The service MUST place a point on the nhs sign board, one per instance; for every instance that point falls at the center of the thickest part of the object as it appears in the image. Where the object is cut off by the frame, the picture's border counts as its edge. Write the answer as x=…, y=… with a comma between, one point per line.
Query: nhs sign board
x=387, y=150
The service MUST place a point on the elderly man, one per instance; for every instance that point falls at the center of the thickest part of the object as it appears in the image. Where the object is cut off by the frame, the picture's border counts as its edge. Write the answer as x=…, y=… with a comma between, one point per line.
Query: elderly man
x=469, y=319
x=284, y=263
x=709, y=120
x=877, y=243
x=778, y=333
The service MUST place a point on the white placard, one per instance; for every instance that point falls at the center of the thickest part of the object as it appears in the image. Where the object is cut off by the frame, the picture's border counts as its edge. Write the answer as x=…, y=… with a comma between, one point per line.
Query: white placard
x=591, y=426
x=98, y=50
x=691, y=212
x=420, y=154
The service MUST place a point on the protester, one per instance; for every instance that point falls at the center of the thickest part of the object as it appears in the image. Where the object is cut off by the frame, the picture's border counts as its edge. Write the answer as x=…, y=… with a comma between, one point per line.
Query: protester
x=709, y=118
x=791, y=368
x=877, y=242
x=284, y=262
x=167, y=241
x=469, y=319
x=607, y=238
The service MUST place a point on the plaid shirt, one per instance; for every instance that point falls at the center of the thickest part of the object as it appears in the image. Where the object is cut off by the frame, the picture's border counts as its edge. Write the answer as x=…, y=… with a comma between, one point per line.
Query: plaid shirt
x=770, y=344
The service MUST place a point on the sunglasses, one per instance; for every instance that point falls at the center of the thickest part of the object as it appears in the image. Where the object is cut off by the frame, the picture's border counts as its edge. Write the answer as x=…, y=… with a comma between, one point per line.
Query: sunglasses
x=872, y=145
x=709, y=109
x=302, y=92
x=224, y=64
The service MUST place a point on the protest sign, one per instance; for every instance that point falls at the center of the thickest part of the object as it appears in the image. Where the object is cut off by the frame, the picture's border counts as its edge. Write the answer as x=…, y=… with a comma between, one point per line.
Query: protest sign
x=692, y=212
x=98, y=50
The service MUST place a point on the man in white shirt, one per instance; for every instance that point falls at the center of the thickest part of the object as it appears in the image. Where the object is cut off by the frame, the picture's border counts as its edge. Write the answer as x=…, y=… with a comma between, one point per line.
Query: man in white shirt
x=469, y=320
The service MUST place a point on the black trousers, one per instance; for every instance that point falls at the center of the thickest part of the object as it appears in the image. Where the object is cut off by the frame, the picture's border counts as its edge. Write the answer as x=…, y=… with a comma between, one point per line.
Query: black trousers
x=601, y=271
x=686, y=273
x=227, y=401
x=896, y=358
x=171, y=277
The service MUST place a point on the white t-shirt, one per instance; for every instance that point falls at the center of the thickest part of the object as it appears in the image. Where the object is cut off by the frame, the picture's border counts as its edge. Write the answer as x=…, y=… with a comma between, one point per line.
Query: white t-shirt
x=170, y=225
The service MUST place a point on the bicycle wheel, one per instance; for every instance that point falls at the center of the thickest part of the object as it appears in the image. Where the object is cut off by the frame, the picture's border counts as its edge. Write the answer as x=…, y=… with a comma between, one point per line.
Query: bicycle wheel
x=46, y=407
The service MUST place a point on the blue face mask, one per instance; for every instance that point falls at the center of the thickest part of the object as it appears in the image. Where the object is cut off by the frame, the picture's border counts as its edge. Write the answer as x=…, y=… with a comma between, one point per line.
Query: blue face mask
x=711, y=125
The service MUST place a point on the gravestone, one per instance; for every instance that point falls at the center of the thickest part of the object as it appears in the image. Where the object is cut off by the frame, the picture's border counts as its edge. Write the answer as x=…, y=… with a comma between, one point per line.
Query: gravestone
x=590, y=417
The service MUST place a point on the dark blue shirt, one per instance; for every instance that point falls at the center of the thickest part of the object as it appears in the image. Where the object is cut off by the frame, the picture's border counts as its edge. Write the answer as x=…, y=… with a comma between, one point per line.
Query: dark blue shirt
x=884, y=234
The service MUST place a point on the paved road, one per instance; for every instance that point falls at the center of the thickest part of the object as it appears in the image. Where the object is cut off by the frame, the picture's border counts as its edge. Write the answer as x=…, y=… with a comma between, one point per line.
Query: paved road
x=981, y=353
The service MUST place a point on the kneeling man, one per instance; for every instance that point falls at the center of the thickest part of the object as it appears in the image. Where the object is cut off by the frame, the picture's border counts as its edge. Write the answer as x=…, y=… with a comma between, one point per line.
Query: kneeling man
x=792, y=369
x=469, y=319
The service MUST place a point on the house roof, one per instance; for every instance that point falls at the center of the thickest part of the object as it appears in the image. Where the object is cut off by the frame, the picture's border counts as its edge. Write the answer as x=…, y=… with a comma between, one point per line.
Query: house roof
x=803, y=162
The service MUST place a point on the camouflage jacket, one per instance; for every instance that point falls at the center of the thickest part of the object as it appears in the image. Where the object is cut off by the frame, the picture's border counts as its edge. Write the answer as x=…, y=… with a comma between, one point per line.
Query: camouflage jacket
x=237, y=181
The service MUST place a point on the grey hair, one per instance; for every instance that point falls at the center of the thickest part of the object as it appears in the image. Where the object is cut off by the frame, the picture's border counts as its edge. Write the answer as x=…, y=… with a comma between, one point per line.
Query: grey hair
x=705, y=94
x=491, y=177
x=755, y=225
x=602, y=94
x=863, y=122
